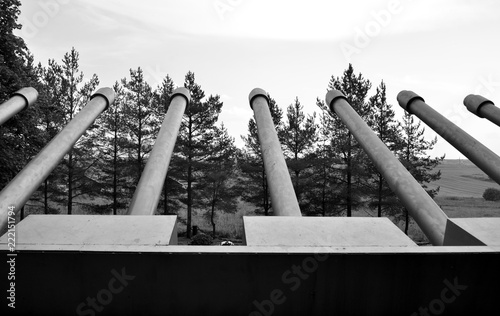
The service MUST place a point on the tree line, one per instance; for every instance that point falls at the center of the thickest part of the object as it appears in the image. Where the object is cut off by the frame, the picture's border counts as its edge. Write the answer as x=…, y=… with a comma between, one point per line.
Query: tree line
x=331, y=174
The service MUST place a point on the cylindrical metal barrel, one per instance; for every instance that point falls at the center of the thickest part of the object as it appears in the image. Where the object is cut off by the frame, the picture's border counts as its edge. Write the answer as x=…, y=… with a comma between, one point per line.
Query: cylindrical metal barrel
x=482, y=107
x=148, y=191
x=20, y=189
x=283, y=199
x=431, y=219
x=19, y=100
x=479, y=154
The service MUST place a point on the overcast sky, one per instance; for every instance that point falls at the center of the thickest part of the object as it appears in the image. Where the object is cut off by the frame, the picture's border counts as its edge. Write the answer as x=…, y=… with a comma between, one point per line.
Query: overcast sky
x=442, y=50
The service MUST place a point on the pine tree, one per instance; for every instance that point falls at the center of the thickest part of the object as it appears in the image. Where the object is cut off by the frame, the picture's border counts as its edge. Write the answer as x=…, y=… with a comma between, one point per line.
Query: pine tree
x=216, y=189
x=355, y=89
x=195, y=136
x=20, y=138
x=325, y=178
x=112, y=164
x=51, y=118
x=172, y=188
x=384, y=124
x=15, y=58
x=68, y=93
x=412, y=151
x=252, y=164
x=298, y=137
x=140, y=119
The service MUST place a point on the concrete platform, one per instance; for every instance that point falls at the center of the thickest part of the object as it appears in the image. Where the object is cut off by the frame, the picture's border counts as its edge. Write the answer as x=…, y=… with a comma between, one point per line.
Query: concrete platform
x=82, y=230
x=323, y=231
x=472, y=232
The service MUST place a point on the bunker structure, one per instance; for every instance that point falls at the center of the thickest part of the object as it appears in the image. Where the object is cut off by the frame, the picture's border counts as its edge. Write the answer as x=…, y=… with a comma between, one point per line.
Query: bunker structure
x=288, y=264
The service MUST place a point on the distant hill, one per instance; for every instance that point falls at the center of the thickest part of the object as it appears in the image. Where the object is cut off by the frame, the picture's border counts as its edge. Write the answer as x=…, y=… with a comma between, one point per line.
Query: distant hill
x=462, y=178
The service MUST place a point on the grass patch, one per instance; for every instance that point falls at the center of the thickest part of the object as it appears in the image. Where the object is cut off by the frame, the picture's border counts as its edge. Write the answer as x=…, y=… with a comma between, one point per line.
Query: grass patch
x=460, y=207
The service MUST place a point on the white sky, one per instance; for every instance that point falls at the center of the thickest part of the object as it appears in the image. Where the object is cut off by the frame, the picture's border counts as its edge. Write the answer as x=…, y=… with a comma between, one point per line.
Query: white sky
x=442, y=50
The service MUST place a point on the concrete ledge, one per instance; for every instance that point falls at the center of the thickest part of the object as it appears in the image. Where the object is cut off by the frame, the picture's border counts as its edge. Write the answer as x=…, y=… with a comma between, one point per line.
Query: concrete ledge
x=472, y=232
x=61, y=231
x=323, y=232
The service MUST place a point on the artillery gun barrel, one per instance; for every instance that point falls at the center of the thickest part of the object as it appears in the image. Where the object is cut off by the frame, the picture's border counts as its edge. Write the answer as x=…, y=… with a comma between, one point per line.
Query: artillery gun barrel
x=431, y=219
x=283, y=199
x=147, y=193
x=483, y=108
x=19, y=100
x=19, y=190
x=479, y=154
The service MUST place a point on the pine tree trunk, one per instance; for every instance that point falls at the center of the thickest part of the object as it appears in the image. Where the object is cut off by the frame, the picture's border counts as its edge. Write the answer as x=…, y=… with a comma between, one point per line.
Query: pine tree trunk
x=349, y=180
x=189, y=178
x=407, y=221
x=165, y=197
x=139, y=141
x=115, y=171
x=70, y=182
x=70, y=157
x=379, y=206
x=265, y=197
x=297, y=172
x=212, y=219
x=189, y=200
x=323, y=193
x=46, y=196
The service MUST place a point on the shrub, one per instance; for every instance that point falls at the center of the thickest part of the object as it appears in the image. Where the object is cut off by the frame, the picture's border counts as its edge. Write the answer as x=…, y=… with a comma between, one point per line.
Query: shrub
x=201, y=239
x=491, y=194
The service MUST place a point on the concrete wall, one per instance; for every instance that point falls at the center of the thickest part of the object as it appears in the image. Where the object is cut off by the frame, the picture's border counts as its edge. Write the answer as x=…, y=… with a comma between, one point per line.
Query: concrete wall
x=242, y=281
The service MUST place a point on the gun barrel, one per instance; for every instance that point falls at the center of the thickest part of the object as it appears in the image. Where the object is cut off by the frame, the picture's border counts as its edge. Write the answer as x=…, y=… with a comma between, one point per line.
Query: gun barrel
x=19, y=100
x=482, y=107
x=479, y=154
x=431, y=219
x=148, y=191
x=283, y=199
x=19, y=190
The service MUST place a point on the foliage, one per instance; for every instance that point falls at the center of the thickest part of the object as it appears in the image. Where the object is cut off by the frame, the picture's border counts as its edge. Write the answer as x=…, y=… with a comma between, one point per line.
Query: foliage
x=412, y=151
x=201, y=239
x=216, y=190
x=252, y=165
x=195, y=137
x=491, y=194
x=351, y=157
x=383, y=122
x=20, y=138
x=140, y=122
x=298, y=137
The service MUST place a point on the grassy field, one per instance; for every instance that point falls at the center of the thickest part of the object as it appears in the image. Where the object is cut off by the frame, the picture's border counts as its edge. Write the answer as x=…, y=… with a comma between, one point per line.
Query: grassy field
x=461, y=178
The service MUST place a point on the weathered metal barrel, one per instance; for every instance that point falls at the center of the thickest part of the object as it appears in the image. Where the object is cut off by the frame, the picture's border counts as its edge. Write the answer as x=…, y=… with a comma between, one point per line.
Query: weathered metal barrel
x=482, y=107
x=479, y=154
x=19, y=100
x=147, y=193
x=20, y=189
x=431, y=219
x=283, y=199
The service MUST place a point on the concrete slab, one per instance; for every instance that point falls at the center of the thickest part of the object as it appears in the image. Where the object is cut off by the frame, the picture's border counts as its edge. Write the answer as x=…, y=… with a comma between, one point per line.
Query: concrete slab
x=82, y=230
x=323, y=231
x=472, y=232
